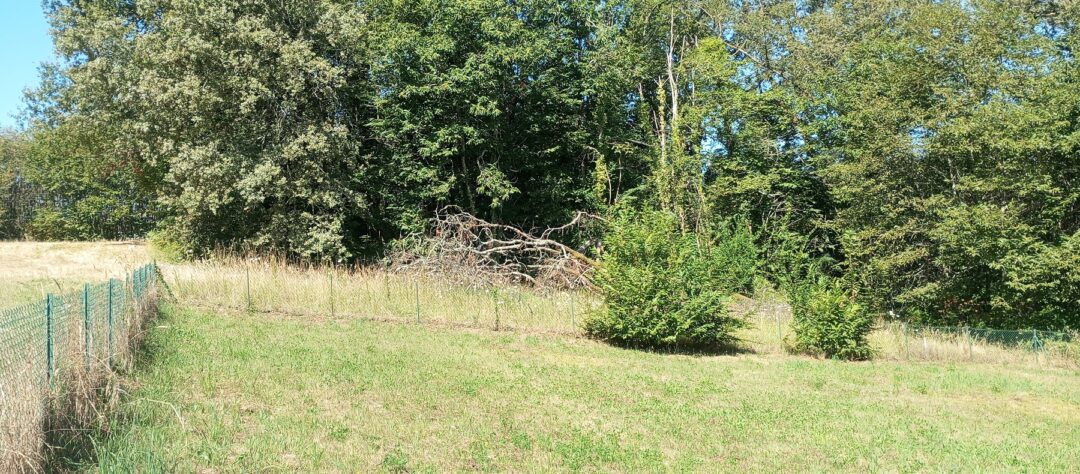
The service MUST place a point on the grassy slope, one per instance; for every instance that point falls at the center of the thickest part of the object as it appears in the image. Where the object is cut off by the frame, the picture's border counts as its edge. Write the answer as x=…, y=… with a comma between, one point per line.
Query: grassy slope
x=257, y=393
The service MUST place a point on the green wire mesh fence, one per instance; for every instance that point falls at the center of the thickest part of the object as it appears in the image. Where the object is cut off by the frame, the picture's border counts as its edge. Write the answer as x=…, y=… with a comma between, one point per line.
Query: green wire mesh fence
x=923, y=341
x=771, y=331
x=40, y=343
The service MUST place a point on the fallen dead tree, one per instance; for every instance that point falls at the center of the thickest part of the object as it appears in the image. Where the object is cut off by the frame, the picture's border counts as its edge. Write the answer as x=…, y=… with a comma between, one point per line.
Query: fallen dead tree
x=466, y=247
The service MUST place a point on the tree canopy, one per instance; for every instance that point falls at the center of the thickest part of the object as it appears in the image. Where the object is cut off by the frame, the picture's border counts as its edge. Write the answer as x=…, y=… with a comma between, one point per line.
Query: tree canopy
x=927, y=151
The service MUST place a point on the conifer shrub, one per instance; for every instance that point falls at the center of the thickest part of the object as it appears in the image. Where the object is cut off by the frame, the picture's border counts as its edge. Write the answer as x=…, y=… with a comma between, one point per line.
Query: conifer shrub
x=827, y=320
x=668, y=289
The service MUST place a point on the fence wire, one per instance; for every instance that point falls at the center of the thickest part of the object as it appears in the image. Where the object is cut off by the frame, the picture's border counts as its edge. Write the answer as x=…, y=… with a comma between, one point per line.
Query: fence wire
x=921, y=341
x=41, y=342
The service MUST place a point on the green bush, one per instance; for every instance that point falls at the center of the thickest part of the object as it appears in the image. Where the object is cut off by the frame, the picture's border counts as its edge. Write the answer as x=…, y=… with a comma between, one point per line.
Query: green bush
x=168, y=246
x=828, y=321
x=50, y=225
x=665, y=288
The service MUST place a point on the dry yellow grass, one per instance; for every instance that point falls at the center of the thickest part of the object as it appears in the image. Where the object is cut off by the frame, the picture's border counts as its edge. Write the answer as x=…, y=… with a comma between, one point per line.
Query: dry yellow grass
x=268, y=285
x=30, y=270
x=36, y=410
x=770, y=330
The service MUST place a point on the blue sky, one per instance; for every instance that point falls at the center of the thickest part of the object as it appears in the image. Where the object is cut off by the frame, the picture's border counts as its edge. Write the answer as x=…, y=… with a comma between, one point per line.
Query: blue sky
x=24, y=44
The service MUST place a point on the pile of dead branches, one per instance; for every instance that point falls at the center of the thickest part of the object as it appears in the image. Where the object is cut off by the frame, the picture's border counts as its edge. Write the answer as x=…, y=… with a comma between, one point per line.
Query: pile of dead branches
x=472, y=250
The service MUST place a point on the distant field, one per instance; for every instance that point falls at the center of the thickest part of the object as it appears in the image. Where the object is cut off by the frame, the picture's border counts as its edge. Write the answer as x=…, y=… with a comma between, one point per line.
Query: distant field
x=29, y=270
x=230, y=392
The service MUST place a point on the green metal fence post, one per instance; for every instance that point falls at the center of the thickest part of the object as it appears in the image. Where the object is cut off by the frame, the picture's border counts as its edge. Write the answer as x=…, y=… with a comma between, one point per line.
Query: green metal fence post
x=109, y=320
x=1036, y=345
x=573, y=311
x=49, y=363
x=925, y=345
x=779, y=330
x=416, y=288
x=331, y=293
x=386, y=282
x=86, y=323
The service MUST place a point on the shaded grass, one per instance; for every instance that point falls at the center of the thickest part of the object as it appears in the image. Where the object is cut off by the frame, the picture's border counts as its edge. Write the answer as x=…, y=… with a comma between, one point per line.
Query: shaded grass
x=234, y=392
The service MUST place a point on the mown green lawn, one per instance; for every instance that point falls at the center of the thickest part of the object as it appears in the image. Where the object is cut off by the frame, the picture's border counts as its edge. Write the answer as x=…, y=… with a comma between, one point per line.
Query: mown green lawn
x=247, y=393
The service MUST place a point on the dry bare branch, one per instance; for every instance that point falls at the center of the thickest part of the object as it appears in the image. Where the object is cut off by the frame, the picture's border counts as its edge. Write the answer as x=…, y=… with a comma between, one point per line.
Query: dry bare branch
x=482, y=251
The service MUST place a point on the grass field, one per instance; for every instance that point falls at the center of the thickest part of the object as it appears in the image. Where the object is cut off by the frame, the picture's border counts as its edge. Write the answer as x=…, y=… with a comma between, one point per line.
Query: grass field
x=329, y=371
x=256, y=393
x=30, y=270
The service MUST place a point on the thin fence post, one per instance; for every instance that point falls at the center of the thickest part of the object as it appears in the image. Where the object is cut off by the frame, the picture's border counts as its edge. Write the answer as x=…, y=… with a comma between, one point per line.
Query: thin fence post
x=416, y=288
x=49, y=363
x=110, y=320
x=386, y=282
x=967, y=337
x=779, y=330
x=1036, y=344
x=573, y=310
x=331, y=293
x=86, y=322
x=925, y=345
x=907, y=353
x=247, y=284
x=495, y=298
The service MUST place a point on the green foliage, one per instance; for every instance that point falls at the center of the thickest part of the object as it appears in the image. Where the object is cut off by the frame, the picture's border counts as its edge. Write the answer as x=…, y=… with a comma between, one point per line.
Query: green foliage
x=165, y=246
x=67, y=185
x=827, y=320
x=927, y=149
x=16, y=194
x=328, y=128
x=665, y=288
x=953, y=158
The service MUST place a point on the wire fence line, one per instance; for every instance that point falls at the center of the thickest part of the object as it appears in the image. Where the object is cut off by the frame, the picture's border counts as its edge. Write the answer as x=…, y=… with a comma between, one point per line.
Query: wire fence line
x=893, y=339
x=50, y=346
x=371, y=293
x=380, y=295
x=918, y=340
x=41, y=339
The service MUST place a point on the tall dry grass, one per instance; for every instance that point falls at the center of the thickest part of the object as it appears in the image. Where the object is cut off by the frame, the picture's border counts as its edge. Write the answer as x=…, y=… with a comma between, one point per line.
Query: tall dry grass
x=49, y=419
x=314, y=291
x=272, y=285
x=30, y=270
x=770, y=331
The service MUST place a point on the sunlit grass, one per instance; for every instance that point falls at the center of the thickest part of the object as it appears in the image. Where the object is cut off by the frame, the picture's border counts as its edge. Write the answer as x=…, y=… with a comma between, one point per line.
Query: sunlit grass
x=30, y=270
x=268, y=285
x=238, y=392
x=360, y=369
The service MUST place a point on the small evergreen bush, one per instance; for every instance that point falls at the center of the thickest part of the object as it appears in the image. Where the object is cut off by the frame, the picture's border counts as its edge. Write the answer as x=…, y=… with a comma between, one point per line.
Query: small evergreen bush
x=828, y=321
x=665, y=288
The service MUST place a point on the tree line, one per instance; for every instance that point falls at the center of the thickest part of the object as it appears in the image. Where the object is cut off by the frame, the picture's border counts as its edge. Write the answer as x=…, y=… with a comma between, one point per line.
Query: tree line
x=923, y=152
